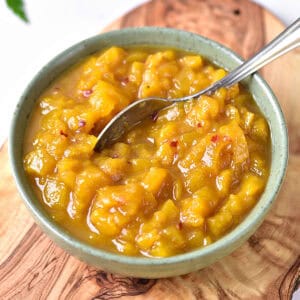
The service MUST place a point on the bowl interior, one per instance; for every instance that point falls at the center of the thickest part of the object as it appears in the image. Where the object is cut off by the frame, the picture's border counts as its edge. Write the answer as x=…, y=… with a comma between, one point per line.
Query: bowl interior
x=213, y=51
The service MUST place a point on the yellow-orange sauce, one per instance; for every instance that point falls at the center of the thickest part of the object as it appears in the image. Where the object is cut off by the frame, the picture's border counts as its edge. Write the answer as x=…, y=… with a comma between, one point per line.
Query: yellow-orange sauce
x=178, y=181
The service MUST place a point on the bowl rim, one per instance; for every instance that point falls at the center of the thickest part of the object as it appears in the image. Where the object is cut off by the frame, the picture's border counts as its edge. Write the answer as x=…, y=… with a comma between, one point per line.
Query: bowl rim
x=253, y=219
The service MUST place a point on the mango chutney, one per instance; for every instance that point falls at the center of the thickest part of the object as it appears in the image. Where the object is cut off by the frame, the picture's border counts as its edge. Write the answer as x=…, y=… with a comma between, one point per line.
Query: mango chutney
x=178, y=181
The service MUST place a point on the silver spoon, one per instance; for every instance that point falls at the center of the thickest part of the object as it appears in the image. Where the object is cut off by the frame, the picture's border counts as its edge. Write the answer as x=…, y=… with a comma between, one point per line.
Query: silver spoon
x=139, y=110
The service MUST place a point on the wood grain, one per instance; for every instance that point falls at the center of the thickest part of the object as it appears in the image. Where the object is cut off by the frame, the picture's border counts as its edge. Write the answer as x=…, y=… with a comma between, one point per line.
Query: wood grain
x=236, y=24
x=266, y=267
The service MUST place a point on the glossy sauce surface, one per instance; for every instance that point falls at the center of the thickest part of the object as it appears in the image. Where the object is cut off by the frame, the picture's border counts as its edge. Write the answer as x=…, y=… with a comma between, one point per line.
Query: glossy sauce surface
x=178, y=181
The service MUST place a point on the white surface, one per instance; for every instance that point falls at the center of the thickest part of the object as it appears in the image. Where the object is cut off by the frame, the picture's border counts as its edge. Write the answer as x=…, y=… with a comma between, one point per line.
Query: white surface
x=56, y=25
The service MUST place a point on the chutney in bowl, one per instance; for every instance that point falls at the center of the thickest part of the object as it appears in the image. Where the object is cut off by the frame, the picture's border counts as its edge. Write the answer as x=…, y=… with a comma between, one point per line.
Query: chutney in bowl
x=178, y=187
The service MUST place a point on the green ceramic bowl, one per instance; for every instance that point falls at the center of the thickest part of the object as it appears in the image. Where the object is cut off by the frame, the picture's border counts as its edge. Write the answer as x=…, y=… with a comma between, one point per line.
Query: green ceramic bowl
x=138, y=266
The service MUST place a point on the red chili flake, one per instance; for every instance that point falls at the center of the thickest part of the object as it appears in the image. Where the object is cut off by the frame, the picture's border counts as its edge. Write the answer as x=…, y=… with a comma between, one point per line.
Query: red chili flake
x=199, y=125
x=124, y=81
x=174, y=143
x=63, y=133
x=215, y=138
x=116, y=177
x=180, y=225
x=81, y=123
x=154, y=116
x=87, y=93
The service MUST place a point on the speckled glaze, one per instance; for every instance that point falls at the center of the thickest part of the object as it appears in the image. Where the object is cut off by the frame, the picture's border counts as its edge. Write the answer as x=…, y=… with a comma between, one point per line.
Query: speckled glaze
x=138, y=266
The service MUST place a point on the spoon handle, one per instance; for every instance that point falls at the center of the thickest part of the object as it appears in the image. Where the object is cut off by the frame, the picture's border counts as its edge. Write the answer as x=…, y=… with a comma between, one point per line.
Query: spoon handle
x=284, y=42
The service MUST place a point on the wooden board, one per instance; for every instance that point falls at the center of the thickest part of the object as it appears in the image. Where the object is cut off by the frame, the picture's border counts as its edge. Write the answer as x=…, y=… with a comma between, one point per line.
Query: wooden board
x=266, y=267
